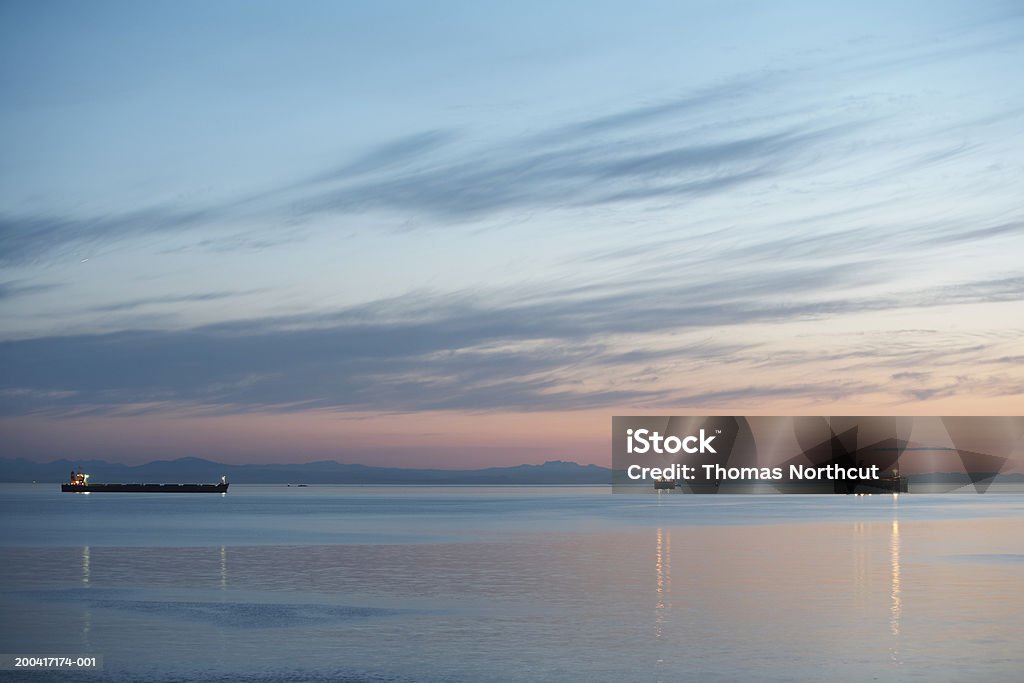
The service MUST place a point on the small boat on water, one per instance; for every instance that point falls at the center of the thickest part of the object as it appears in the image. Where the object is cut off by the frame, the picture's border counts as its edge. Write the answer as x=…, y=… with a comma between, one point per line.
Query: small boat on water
x=79, y=483
x=664, y=484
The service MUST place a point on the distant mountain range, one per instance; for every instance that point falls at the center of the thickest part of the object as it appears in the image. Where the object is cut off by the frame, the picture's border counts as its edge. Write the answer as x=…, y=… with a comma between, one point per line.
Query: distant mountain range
x=188, y=470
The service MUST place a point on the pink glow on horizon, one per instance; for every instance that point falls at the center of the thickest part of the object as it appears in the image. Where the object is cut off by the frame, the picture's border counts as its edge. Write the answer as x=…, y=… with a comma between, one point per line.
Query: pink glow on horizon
x=425, y=439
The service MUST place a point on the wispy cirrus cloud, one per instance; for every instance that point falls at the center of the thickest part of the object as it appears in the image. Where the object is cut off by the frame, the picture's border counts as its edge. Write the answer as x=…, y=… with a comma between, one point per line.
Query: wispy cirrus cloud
x=389, y=156
x=586, y=173
x=132, y=304
x=14, y=288
x=28, y=238
x=692, y=145
x=561, y=351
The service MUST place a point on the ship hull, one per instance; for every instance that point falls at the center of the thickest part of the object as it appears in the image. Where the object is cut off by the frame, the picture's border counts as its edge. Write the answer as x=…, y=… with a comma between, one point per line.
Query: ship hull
x=868, y=486
x=144, y=488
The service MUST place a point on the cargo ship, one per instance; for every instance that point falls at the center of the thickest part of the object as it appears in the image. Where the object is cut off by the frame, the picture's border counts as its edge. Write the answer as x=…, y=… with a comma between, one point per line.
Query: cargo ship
x=79, y=483
x=889, y=482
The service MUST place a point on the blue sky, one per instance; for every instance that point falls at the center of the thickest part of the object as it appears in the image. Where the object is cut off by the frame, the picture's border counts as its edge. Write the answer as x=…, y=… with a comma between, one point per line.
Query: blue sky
x=381, y=227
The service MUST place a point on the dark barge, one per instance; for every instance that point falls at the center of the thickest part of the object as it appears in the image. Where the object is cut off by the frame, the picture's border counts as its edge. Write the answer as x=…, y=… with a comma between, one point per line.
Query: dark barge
x=79, y=483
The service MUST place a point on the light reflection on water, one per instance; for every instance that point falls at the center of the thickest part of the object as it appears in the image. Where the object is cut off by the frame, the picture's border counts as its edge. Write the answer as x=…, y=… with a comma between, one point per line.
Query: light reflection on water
x=663, y=583
x=85, y=566
x=894, y=592
x=223, y=568
x=554, y=588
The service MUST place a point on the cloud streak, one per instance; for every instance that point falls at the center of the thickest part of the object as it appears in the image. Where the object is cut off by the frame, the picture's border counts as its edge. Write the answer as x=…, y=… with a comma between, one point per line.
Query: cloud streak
x=634, y=155
x=14, y=288
x=558, y=352
x=28, y=238
x=133, y=304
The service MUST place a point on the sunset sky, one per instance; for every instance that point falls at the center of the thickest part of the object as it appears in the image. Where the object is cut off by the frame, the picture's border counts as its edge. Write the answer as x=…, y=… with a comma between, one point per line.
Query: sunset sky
x=465, y=234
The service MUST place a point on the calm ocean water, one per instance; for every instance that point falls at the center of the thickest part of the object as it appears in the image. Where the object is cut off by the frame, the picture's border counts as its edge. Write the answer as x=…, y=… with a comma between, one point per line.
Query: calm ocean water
x=493, y=584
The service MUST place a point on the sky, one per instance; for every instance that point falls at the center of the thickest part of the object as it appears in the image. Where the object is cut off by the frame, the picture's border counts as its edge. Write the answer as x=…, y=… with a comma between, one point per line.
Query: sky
x=464, y=234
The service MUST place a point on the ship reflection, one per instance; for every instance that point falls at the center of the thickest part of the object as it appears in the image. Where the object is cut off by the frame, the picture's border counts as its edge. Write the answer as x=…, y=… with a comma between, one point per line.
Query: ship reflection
x=86, y=615
x=85, y=566
x=663, y=579
x=895, y=601
x=223, y=568
x=869, y=572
